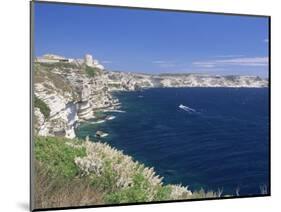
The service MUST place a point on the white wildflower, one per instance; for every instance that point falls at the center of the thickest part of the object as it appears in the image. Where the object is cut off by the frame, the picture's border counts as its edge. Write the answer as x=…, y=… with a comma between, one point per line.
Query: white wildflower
x=179, y=192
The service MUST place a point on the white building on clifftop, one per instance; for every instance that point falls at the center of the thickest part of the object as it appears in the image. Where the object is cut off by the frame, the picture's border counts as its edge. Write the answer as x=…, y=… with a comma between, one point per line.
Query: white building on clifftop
x=89, y=61
x=52, y=58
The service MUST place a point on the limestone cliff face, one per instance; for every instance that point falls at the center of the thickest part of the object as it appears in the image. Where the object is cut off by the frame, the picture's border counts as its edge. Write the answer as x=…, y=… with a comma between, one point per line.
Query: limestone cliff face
x=73, y=89
x=71, y=95
x=53, y=90
x=133, y=81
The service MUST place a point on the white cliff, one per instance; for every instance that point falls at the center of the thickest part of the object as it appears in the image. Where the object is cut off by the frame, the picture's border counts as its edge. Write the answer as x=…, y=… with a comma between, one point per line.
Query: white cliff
x=70, y=93
x=130, y=81
x=73, y=95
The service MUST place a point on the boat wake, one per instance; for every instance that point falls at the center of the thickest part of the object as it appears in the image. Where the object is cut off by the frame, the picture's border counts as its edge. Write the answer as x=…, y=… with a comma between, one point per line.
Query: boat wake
x=187, y=109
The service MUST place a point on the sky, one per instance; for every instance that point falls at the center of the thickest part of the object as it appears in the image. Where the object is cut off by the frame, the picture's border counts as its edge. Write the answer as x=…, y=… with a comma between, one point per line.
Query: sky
x=153, y=41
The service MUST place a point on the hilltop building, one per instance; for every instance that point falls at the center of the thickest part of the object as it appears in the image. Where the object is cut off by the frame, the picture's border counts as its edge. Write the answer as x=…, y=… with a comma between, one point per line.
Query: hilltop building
x=89, y=61
x=52, y=58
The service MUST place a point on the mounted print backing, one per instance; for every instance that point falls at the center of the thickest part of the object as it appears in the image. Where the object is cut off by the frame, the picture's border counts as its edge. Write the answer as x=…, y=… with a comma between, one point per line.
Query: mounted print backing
x=137, y=105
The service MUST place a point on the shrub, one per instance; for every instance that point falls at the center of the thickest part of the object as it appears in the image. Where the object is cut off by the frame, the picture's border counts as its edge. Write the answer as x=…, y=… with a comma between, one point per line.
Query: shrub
x=139, y=192
x=204, y=194
x=71, y=172
x=58, y=157
x=91, y=71
x=163, y=193
x=43, y=107
x=106, y=181
x=179, y=192
x=123, y=180
x=60, y=65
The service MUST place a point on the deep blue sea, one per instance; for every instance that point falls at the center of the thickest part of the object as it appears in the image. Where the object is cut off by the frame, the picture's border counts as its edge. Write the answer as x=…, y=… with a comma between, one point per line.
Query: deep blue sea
x=222, y=144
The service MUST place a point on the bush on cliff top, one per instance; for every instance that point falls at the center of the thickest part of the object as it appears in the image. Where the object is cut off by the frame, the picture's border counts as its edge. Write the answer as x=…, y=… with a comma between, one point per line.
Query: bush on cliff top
x=43, y=107
x=92, y=72
x=60, y=65
x=141, y=191
x=63, y=165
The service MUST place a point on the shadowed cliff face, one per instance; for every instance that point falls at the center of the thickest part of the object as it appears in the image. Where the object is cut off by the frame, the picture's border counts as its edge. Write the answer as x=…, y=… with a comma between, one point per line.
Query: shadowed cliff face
x=71, y=95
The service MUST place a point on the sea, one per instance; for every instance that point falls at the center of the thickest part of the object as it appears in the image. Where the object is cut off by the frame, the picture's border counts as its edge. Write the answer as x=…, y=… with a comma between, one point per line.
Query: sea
x=210, y=138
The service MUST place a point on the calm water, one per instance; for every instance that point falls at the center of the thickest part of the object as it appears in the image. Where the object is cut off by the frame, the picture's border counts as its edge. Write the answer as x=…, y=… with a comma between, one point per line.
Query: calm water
x=224, y=144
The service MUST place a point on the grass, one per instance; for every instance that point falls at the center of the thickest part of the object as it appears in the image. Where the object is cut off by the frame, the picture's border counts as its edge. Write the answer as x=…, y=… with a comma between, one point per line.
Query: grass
x=53, y=191
x=56, y=176
x=43, y=107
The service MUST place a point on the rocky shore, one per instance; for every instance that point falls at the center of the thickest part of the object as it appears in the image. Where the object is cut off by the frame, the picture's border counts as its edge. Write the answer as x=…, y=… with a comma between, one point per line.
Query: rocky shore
x=72, y=90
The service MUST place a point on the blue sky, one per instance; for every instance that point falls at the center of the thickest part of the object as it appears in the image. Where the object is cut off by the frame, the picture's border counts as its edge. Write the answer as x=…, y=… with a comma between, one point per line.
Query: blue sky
x=154, y=41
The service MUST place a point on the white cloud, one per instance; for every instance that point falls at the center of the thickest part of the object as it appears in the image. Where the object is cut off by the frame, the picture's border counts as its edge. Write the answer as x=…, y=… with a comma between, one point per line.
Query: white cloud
x=165, y=64
x=159, y=61
x=243, y=61
x=204, y=64
x=266, y=40
x=229, y=56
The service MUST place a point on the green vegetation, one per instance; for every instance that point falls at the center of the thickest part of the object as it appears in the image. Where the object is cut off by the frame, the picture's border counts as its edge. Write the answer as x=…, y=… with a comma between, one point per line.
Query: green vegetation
x=60, y=65
x=57, y=183
x=205, y=194
x=56, y=191
x=43, y=107
x=136, y=193
x=58, y=81
x=58, y=156
x=74, y=172
x=163, y=193
x=139, y=192
x=92, y=72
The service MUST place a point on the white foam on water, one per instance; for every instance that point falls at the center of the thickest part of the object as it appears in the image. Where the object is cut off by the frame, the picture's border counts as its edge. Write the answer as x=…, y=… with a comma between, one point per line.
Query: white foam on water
x=110, y=118
x=115, y=111
x=97, y=122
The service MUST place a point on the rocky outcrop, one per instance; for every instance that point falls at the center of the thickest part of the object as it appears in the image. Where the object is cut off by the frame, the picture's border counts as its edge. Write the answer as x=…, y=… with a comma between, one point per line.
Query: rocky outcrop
x=57, y=99
x=71, y=95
